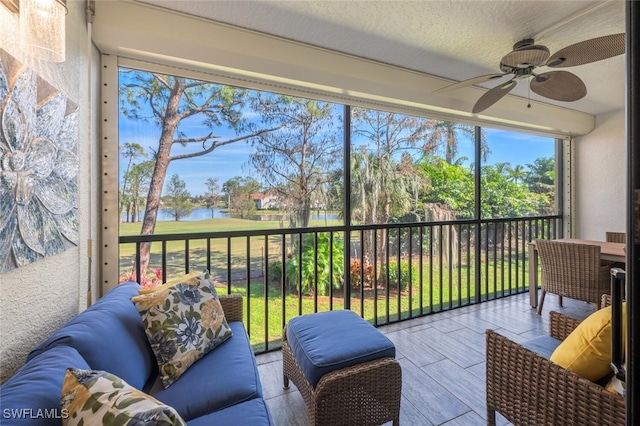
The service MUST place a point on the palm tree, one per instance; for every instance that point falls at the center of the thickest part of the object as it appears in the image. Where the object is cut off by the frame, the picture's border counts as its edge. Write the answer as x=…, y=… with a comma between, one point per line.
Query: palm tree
x=448, y=134
x=541, y=176
x=517, y=174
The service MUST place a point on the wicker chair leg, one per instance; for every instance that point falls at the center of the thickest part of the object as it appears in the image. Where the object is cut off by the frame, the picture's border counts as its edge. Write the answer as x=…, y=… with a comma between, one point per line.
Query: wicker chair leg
x=560, y=300
x=541, y=301
x=491, y=417
x=285, y=382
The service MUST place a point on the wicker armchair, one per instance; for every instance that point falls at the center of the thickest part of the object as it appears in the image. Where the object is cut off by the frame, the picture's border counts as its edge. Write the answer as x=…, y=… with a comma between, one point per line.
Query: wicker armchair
x=572, y=270
x=528, y=389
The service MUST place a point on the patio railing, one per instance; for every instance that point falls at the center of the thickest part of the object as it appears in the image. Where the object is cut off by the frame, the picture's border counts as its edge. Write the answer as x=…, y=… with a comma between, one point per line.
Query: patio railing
x=386, y=273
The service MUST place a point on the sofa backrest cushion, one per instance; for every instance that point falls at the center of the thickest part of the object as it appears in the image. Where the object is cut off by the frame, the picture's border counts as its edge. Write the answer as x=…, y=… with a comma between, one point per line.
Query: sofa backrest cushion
x=32, y=395
x=109, y=336
x=223, y=377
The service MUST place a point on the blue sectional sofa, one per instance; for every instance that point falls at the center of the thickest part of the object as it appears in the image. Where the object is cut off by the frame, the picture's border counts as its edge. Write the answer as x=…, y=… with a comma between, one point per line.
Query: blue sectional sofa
x=221, y=388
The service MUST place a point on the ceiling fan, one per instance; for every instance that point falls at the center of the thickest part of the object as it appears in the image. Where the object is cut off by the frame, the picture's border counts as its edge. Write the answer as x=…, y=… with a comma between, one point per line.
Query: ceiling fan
x=558, y=85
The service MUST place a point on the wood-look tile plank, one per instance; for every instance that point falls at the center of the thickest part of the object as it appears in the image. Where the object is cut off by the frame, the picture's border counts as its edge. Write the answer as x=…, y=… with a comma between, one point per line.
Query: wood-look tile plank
x=479, y=370
x=410, y=346
x=446, y=325
x=271, y=379
x=288, y=409
x=411, y=415
x=461, y=383
x=468, y=419
x=450, y=347
x=471, y=338
x=433, y=400
x=475, y=321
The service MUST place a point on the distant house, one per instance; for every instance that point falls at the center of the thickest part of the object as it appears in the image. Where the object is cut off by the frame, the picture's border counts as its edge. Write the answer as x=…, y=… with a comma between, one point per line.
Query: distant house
x=266, y=200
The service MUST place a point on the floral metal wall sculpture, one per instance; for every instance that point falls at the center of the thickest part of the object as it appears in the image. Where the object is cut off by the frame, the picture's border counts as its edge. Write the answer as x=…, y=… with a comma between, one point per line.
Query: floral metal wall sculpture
x=38, y=167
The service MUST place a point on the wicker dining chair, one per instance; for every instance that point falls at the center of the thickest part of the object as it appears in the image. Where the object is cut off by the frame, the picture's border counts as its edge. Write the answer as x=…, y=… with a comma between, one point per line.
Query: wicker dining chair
x=572, y=270
x=616, y=237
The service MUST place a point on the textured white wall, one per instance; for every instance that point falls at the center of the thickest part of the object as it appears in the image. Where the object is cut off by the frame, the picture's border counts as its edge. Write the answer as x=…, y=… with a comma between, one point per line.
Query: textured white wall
x=601, y=164
x=38, y=298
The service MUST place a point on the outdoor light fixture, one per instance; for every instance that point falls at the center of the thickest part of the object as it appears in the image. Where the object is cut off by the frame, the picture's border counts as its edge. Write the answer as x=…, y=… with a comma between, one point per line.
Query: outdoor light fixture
x=42, y=27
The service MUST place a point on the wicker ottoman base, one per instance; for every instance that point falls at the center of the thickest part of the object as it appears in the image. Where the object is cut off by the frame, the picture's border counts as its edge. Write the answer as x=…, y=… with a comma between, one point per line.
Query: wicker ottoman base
x=362, y=394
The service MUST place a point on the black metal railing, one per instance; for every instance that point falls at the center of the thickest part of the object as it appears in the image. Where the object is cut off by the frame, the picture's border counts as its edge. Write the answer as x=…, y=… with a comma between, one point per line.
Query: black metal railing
x=386, y=273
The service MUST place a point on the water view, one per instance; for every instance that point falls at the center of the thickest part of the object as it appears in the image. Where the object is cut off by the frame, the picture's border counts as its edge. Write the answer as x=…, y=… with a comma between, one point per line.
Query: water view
x=203, y=213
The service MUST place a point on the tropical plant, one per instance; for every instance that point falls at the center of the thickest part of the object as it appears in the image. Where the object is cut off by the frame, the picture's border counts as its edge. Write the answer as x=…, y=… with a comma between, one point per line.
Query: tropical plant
x=449, y=185
x=360, y=273
x=304, y=261
x=447, y=136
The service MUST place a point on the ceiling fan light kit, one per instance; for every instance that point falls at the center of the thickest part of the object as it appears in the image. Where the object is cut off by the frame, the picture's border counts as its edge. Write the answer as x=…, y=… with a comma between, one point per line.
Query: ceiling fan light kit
x=526, y=56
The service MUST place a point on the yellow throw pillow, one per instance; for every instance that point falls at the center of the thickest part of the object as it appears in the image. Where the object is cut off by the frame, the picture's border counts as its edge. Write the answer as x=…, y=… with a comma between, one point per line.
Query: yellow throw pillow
x=587, y=350
x=191, y=278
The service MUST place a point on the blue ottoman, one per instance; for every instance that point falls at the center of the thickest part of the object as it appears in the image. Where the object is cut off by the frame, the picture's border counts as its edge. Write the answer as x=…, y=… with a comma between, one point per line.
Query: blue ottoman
x=344, y=368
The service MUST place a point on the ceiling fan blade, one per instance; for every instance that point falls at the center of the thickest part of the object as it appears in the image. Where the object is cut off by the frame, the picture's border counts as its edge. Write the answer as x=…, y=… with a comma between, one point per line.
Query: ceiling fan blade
x=587, y=51
x=528, y=56
x=559, y=85
x=469, y=82
x=493, y=96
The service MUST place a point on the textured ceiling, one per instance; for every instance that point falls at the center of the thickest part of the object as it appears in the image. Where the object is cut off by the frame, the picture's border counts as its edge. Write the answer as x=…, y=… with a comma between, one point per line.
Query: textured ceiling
x=456, y=40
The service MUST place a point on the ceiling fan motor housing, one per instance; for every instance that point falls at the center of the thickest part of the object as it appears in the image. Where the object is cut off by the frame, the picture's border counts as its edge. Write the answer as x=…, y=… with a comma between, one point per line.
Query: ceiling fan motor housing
x=525, y=54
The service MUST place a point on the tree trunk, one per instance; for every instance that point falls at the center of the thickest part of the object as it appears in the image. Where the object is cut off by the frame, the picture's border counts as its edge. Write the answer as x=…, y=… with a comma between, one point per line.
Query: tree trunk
x=157, y=179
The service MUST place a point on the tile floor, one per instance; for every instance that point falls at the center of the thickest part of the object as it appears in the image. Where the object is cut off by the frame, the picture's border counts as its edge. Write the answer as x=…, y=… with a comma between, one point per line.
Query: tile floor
x=442, y=359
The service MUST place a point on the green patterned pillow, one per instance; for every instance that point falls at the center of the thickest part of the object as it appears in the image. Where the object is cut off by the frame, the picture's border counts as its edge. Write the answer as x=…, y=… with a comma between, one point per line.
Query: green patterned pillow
x=182, y=323
x=100, y=398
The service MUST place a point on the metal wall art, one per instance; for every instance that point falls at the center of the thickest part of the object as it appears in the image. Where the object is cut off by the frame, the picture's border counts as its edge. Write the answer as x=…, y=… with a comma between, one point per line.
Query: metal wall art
x=38, y=167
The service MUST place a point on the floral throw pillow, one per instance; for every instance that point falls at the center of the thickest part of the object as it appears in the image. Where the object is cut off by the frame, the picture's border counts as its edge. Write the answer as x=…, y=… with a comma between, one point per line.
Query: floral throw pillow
x=182, y=323
x=100, y=398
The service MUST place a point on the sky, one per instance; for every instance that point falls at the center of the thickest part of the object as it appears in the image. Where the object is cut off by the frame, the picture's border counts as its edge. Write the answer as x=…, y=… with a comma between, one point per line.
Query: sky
x=232, y=160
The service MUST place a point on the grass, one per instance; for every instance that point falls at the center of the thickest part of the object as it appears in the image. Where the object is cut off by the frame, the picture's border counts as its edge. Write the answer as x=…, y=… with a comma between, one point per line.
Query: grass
x=269, y=310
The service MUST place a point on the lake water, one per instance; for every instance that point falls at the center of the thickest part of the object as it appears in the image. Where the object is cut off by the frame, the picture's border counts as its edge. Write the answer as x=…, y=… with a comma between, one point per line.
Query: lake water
x=203, y=213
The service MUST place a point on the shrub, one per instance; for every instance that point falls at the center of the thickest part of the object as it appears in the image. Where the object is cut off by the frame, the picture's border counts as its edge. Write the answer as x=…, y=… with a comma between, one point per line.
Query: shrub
x=357, y=275
x=404, y=275
x=275, y=271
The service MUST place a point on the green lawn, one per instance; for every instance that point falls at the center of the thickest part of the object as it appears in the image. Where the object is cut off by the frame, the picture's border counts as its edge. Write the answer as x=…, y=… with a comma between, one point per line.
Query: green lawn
x=441, y=289
x=269, y=311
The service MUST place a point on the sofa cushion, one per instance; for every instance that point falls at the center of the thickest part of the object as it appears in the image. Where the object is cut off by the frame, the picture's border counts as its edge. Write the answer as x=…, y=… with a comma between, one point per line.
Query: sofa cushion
x=220, y=379
x=107, y=333
x=329, y=341
x=96, y=397
x=183, y=323
x=253, y=413
x=587, y=349
x=32, y=395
